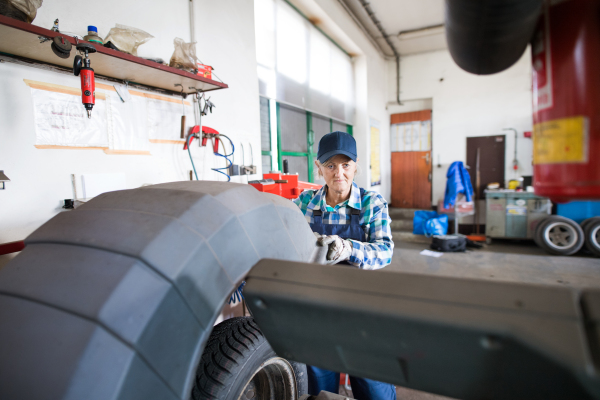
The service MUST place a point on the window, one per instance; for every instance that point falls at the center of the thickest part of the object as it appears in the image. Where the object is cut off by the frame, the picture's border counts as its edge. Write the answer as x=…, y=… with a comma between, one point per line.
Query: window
x=299, y=65
x=292, y=134
x=306, y=84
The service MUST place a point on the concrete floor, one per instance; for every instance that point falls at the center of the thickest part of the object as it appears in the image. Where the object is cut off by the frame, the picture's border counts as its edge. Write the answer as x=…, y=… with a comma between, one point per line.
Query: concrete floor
x=503, y=260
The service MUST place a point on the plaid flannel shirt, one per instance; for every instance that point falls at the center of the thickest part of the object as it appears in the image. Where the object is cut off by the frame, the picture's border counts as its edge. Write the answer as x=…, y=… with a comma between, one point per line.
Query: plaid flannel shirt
x=376, y=252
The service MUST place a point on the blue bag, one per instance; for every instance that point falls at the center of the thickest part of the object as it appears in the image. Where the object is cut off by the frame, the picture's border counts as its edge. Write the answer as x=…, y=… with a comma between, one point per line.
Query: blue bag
x=430, y=223
x=458, y=181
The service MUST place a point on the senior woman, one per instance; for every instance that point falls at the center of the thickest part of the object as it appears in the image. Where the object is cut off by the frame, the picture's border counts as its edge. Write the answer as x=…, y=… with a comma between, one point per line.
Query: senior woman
x=355, y=224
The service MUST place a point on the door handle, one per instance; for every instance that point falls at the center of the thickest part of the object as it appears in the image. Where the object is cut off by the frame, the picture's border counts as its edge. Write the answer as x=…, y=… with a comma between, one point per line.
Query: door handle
x=426, y=157
x=429, y=177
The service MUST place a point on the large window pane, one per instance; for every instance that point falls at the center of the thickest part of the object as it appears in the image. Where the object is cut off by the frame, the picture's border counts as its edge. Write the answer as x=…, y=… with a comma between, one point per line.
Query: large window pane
x=265, y=126
x=266, y=164
x=341, y=76
x=320, y=51
x=298, y=165
x=264, y=19
x=299, y=65
x=339, y=126
x=293, y=129
x=321, y=128
x=291, y=43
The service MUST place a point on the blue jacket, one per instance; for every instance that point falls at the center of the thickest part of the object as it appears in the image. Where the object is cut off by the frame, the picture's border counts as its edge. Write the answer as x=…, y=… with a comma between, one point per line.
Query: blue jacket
x=458, y=181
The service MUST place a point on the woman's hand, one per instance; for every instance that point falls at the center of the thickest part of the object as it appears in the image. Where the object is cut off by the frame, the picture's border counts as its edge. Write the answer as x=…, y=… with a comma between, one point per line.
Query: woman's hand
x=339, y=249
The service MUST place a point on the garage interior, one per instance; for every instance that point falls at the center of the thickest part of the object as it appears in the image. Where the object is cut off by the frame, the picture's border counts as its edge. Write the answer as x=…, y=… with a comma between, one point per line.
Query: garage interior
x=124, y=241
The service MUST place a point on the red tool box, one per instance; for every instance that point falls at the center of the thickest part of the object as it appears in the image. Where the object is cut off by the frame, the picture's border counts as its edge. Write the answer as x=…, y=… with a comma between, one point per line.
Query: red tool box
x=287, y=186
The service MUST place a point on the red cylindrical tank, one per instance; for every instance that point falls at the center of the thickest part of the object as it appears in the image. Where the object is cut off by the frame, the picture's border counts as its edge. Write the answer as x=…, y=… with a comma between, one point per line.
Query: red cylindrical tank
x=566, y=101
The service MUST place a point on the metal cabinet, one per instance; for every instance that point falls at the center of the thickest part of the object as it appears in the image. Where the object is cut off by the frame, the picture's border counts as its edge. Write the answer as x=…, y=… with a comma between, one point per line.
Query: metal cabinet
x=495, y=216
x=512, y=214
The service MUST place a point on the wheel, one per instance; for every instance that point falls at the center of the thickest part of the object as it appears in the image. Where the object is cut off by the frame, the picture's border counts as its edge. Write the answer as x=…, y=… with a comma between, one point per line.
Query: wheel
x=488, y=240
x=536, y=231
x=239, y=364
x=585, y=222
x=561, y=236
x=592, y=236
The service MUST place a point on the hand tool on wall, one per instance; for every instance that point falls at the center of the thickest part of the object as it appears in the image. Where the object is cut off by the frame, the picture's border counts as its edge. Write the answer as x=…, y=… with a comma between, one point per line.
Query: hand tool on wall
x=183, y=96
x=209, y=133
x=81, y=67
x=61, y=47
x=44, y=39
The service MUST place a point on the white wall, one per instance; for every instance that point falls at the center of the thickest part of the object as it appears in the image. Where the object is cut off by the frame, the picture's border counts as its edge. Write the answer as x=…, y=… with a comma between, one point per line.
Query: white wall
x=466, y=105
x=41, y=179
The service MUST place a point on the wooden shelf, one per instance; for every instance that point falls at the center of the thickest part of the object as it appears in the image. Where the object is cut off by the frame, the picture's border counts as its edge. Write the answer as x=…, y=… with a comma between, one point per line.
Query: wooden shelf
x=20, y=39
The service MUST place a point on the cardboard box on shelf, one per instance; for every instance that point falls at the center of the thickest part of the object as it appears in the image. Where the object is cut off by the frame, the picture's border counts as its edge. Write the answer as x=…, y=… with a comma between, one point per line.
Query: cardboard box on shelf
x=205, y=70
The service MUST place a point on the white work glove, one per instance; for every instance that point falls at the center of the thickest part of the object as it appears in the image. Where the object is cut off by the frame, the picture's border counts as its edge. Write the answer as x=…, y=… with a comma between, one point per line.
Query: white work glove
x=339, y=249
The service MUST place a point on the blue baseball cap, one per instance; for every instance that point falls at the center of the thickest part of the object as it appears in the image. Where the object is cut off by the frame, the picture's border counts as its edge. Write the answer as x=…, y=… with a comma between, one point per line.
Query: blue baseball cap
x=335, y=143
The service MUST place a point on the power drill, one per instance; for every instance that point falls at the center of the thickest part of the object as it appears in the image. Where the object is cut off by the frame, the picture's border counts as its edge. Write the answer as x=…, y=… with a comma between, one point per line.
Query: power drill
x=81, y=66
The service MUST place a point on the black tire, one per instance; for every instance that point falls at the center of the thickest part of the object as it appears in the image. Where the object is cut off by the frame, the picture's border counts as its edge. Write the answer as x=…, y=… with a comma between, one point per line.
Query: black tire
x=560, y=236
x=239, y=363
x=592, y=236
x=537, y=235
x=585, y=222
x=536, y=231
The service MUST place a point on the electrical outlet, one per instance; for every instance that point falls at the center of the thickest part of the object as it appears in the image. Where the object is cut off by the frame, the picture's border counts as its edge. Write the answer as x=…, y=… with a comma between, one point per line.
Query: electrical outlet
x=248, y=170
x=234, y=170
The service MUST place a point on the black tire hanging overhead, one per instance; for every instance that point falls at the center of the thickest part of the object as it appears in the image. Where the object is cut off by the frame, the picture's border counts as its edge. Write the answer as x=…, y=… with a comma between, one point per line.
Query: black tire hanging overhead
x=488, y=36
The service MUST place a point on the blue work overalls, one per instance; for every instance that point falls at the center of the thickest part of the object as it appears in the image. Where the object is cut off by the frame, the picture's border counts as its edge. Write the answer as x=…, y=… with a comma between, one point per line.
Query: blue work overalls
x=322, y=379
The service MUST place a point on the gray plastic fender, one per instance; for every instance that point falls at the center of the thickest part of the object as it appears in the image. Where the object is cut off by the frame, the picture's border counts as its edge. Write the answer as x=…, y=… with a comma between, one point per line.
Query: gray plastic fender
x=116, y=299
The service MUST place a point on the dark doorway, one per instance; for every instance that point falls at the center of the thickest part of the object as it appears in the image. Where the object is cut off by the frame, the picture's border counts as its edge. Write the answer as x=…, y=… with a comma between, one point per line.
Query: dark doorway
x=491, y=160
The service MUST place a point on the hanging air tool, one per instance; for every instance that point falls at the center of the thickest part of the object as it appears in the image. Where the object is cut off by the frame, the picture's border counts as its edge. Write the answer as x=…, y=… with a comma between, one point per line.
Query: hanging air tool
x=81, y=66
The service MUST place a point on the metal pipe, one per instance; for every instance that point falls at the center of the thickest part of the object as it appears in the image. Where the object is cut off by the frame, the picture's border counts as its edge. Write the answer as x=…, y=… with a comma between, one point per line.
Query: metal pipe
x=363, y=29
x=515, y=160
x=367, y=6
x=420, y=32
x=192, y=25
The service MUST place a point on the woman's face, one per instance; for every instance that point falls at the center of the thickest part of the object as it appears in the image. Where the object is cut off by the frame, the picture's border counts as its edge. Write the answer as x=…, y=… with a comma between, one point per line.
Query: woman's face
x=338, y=173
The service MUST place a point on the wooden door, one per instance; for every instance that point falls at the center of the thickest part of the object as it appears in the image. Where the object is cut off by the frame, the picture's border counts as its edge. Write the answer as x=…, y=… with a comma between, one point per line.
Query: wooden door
x=411, y=167
x=411, y=179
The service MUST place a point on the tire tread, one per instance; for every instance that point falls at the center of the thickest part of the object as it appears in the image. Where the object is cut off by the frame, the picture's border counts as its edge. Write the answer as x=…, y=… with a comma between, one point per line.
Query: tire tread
x=229, y=343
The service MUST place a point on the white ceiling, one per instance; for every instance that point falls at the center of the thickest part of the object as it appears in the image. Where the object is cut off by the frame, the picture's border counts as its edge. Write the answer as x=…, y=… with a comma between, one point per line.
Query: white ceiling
x=403, y=15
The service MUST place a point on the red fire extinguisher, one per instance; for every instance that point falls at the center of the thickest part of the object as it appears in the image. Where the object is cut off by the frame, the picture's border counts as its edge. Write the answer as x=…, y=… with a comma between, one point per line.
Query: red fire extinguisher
x=566, y=101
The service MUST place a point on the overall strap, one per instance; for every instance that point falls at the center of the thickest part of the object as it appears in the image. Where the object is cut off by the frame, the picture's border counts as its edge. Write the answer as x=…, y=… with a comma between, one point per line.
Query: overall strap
x=355, y=214
x=317, y=217
x=354, y=217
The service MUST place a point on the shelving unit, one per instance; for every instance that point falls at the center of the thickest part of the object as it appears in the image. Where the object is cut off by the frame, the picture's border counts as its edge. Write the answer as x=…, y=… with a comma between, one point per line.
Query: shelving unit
x=21, y=40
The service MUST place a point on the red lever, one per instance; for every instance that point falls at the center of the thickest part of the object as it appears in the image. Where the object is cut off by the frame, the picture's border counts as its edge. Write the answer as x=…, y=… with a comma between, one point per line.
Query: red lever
x=193, y=132
x=207, y=132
